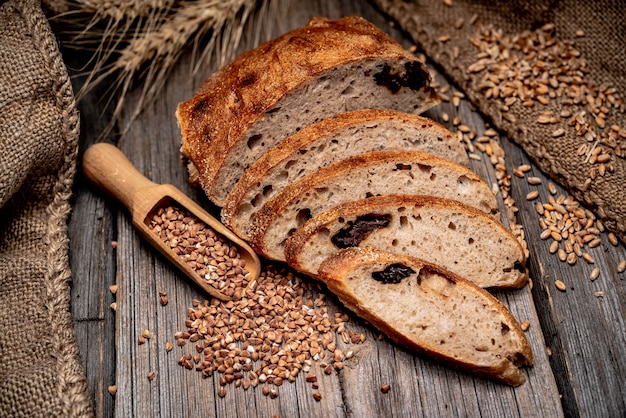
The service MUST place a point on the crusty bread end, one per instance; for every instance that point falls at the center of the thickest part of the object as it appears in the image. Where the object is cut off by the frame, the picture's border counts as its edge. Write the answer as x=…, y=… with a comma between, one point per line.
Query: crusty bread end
x=425, y=308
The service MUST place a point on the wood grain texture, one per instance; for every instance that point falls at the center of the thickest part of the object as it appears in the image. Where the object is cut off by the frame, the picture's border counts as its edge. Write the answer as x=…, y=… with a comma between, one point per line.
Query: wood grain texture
x=91, y=229
x=585, y=333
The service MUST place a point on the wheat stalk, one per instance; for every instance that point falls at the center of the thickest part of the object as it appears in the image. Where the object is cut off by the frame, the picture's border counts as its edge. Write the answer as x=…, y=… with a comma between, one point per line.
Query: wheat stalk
x=119, y=10
x=143, y=40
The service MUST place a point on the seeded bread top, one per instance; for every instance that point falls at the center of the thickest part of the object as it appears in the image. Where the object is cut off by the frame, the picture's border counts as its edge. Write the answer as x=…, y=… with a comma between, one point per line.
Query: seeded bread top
x=239, y=94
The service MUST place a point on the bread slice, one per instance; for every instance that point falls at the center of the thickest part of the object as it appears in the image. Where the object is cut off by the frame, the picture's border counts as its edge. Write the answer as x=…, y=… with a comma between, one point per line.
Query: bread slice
x=364, y=175
x=425, y=308
x=308, y=74
x=327, y=141
x=441, y=231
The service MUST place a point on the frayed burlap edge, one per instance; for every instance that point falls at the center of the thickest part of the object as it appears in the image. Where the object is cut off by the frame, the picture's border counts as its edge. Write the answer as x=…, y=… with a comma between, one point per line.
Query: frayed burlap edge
x=71, y=383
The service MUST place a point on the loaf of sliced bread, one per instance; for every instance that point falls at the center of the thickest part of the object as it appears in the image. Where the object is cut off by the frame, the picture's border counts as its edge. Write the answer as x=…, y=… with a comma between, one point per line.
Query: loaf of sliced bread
x=308, y=74
x=425, y=308
x=440, y=231
x=327, y=141
x=370, y=174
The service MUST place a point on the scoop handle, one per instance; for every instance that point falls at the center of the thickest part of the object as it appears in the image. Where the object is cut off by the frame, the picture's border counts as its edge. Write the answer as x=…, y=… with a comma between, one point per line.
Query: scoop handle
x=107, y=167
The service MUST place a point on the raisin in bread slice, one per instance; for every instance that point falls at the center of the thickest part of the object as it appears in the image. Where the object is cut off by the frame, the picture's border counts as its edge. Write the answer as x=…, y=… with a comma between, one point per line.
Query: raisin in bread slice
x=327, y=141
x=441, y=231
x=308, y=74
x=425, y=308
x=364, y=175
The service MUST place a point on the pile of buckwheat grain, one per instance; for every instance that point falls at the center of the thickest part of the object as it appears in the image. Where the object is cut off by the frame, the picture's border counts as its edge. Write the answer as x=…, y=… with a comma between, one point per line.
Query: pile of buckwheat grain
x=277, y=329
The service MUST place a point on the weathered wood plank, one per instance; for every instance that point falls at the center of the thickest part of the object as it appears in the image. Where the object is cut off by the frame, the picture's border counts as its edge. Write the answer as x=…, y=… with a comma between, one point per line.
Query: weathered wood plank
x=91, y=229
x=355, y=391
x=585, y=333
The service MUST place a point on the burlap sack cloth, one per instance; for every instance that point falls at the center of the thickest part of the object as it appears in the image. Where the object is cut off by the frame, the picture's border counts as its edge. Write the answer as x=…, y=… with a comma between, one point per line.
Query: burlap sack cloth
x=40, y=370
x=449, y=32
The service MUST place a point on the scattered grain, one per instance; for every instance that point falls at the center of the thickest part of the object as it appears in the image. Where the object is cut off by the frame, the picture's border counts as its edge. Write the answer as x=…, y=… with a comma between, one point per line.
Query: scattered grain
x=113, y=288
x=525, y=325
x=112, y=389
x=621, y=266
x=276, y=330
x=558, y=133
x=595, y=273
x=560, y=285
x=588, y=258
x=595, y=242
x=151, y=376
x=317, y=396
x=536, y=67
x=532, y=195
x=551, y=188
x=534, y=180
x=328, y=369
x=571, y=259
x=554, y=247
x=546, y=233
x=385, y=388
x=539, y=208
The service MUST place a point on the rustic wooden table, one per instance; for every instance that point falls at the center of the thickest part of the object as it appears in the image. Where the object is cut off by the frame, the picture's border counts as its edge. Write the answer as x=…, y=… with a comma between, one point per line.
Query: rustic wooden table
x=578, y=335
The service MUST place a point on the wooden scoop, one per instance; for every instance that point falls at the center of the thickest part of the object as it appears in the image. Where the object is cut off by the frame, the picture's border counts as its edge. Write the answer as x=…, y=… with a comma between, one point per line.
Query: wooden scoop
x=107, y=167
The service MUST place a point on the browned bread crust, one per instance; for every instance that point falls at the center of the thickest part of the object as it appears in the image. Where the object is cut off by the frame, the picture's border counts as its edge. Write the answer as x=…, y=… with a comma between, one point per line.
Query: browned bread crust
x=441, y=231
x=374, y=173
x=317, y=145
x=433, y=312
x=253, y=86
